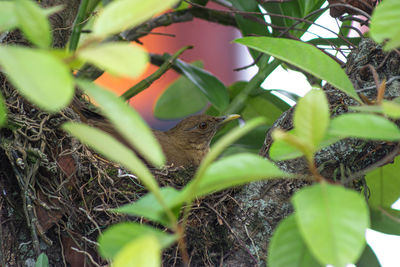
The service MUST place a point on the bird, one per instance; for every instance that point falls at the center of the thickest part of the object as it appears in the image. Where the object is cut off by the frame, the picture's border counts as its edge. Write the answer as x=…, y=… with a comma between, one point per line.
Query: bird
x=188, y=142
x=184, y=145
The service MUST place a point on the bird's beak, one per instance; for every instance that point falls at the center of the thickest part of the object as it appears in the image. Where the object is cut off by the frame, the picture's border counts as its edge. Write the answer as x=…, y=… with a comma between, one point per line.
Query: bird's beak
x=225, y=119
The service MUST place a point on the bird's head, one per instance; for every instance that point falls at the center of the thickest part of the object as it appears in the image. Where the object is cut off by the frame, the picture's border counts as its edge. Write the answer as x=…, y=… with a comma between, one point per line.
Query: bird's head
x=198, y=130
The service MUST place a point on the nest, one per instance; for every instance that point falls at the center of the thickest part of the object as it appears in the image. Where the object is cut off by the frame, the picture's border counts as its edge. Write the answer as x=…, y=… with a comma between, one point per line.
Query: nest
x=63, y=191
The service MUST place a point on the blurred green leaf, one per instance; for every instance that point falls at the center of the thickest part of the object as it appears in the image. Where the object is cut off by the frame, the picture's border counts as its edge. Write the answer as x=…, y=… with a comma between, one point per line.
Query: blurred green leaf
x=368, y=126
x=384, y=185
x=180, y=99
x=48, y=11
x=127, y=121
x=391, y=109
x=307, y=6
x=281, y=150
x=33, y=22
x=385, y=221
x=50, y=86
x=345, y=28
x=117, y=236
x=261, y=107
x=292, y=96
x=254, y=139
x=287, y=248
x=304, y=56
x=182, y=5
x=311, y=118
x=332, y=221
x=192, y=189
x=148, y=207
x=118, y=58
x=335, y=41
x=113, y=150
x=255, y=25
x=3, y=111
x=367, y=109
x=42, y=261
x=236, y=170
x=120, y=15
x=211, y=87
x=368, y=259
x=8, y=17
x=142, y=252
x=384, y=24
x=285, y=11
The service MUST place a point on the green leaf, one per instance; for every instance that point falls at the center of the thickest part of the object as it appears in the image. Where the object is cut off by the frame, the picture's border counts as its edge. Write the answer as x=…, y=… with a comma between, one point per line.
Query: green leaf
x=48, y=11
x=254, y=26
x=123, y=14
x=304, y=56
x=385, y=221
x=117, y=236
x=237, y=170
x=288, y=9
x=367, y=126
x=180, y=99
x=368, y=259
x=332, y=221
x=33, y=22
x=384, y=24
x=192, y=189
x=142, y=252
x=127, y=121
x=367, y=109
x=384, y=185
x=209, y=85
x=49, y=86
x=113, y=150
x=391, y=109
x=287, y=248
x=118, y=58
x=335, y=41
x=292, y=96
x=281, y=150
x=3, y=111
x=148, y=207
x=311, y=118
x=265, y=106
x=8, y=17
x=42, y=261
x=307, y=6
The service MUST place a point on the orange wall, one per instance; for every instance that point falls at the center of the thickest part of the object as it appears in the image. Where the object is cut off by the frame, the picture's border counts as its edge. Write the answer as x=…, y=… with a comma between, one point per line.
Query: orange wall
x=211, y=45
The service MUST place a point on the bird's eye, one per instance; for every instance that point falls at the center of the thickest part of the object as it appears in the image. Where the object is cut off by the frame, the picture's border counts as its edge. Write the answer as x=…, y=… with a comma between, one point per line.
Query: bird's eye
x=203, y=125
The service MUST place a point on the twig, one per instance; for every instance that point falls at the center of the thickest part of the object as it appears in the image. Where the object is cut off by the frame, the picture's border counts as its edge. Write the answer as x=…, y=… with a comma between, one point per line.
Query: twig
x=145, y=83
x=372, y=167
x=389, y=215
x=23, y=183
x=163, y=20
x=233, y=232
x=87, y=254
x=392, y=79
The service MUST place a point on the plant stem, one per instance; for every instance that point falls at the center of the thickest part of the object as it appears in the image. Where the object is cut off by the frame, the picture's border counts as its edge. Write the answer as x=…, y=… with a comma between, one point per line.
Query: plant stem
x=78, y=24
x=264, y=70
x=145, y=83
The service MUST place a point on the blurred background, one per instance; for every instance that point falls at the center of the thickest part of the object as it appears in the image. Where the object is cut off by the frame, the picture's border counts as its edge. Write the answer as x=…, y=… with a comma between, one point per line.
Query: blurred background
x=212, y=44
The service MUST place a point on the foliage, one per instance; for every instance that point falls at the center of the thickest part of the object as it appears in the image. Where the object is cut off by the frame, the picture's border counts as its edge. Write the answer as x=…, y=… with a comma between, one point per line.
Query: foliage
x=329, y=222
